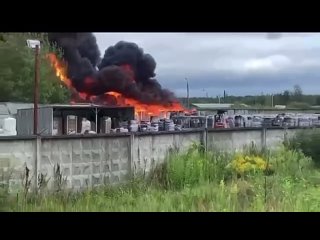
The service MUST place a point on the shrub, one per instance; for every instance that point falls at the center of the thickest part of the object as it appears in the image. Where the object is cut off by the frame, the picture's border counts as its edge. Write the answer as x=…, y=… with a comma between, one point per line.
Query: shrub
x=308, y=141
x=290, y=161
x=243, y=164
x=191, y=168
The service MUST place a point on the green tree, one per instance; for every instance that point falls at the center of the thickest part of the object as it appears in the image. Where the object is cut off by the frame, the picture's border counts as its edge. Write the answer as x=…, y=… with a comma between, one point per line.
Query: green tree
x=297, y=93
x=286, y=97
x=17, y=70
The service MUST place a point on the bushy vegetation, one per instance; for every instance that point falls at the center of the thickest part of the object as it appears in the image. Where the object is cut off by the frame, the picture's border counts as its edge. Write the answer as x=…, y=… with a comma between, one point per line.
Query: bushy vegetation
x=199, y=181
x=308, y=141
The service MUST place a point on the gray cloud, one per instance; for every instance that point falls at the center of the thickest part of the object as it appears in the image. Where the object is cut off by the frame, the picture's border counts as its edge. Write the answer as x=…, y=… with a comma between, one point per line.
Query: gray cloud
x=240, y=63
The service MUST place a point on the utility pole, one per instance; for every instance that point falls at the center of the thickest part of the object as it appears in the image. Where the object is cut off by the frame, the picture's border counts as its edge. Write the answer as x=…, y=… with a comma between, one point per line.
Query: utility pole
x=218, y=98
x=35, y=44
x=36, y=91
x=188, y=104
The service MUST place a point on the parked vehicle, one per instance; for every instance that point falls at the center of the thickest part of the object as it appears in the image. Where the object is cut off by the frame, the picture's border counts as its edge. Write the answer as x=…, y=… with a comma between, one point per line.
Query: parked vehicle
x=230, y=122
x=256, y=122
x=144, y=126
x=220, y=121
x=239, y=121
x=267, y=121
x=304, y=122
x=289, y=122
x=190, y=121
x=248, y=121
x=277, y=121
x=315, y=120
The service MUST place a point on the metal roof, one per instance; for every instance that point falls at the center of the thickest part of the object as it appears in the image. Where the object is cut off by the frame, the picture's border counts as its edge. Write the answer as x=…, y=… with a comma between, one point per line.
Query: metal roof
x=13, y=107
x=80, y=106
x=3, y=110
x=10, y=108
x=85, y=105
x=213, y=106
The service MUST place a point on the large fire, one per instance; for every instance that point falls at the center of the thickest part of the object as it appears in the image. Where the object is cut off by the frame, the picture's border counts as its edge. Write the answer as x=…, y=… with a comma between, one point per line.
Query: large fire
x=142, y=111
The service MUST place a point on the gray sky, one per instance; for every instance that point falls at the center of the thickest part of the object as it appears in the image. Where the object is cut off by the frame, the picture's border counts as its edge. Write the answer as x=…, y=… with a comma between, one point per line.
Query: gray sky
x=240, y=63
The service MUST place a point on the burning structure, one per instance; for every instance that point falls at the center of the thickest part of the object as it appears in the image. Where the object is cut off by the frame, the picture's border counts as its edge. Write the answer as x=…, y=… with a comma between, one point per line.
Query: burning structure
x=125, y=76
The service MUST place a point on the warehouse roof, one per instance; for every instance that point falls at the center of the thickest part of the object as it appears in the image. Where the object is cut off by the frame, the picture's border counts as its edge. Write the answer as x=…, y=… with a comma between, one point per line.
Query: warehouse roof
x=79, y=106
x=212, y=106
x=220, y=106
x=10, y=108
x=85, y=105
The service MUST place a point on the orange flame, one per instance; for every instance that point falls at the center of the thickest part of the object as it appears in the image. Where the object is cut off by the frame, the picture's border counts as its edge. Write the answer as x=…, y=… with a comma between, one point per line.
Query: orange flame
x=141, y=109
x=147, y=109
x=60, y=69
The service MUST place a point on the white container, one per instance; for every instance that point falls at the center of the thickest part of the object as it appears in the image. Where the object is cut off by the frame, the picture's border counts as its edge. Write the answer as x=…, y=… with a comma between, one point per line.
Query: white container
x=133, y=127
x=57, y=126
x=123, y=130
x=85, y=125
x=105, y=126
x=9, y=126
x=71, y=126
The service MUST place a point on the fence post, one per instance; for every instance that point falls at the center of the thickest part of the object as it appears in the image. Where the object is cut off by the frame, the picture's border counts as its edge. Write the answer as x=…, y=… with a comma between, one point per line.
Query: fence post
x=204, y=138
x=37, y=162
x=264, y=138
x=285, y=137
x=130, y=157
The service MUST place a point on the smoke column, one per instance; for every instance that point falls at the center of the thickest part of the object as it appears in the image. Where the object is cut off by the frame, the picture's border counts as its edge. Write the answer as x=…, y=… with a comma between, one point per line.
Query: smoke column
x=124, y=68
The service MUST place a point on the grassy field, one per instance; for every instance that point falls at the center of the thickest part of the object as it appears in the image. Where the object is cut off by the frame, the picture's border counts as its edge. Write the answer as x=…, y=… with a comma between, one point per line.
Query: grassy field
x=282, y=180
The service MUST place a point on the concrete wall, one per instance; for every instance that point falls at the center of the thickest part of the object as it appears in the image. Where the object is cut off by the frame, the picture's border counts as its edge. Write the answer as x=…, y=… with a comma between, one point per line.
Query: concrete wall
x=151, y=149
x=15, y=156
x=236, y=140
x=87, y=161
x=97, y=159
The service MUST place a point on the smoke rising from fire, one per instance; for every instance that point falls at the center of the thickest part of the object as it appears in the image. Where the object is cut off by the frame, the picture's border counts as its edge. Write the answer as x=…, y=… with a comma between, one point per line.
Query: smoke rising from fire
x=124, y=68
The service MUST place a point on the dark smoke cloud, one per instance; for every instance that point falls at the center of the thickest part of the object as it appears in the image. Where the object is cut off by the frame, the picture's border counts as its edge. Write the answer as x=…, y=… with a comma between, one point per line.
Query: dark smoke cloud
x=95, y=76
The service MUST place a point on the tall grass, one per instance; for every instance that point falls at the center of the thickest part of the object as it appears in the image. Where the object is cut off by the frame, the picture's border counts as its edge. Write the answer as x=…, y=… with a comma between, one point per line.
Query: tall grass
x=308, y=141
x=192, y=168
x=197, y=181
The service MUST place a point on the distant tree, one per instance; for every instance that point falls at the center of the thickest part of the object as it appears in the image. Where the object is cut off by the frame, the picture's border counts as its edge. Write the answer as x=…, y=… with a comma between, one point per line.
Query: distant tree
x=318, y=100
x=17, y=70
x=286, y=97
x=297, y=93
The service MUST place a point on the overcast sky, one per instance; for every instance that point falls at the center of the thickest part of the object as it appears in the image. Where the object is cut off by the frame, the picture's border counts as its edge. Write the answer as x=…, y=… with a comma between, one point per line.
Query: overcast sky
x=240, y=63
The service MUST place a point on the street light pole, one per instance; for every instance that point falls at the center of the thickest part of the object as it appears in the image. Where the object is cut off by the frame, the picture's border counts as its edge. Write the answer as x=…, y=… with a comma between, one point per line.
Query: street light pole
x=36, y=91
x=35, y=44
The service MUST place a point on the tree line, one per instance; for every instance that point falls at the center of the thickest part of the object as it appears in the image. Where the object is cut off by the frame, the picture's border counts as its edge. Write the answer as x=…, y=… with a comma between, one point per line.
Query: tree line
x=294, y=98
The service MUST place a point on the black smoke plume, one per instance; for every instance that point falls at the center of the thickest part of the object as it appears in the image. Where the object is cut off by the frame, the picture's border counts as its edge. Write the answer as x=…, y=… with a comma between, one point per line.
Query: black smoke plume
x=124, y=68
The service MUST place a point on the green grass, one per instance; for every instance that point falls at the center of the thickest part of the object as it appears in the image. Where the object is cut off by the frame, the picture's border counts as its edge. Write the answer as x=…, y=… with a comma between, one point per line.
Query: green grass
x=308, y=141
x=195, y=181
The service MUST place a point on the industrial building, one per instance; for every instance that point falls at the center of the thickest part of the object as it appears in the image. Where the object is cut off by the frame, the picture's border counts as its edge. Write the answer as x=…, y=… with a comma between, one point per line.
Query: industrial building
x=9, y=109
x=67, y=119
x=243, y=109
x=215, y=108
